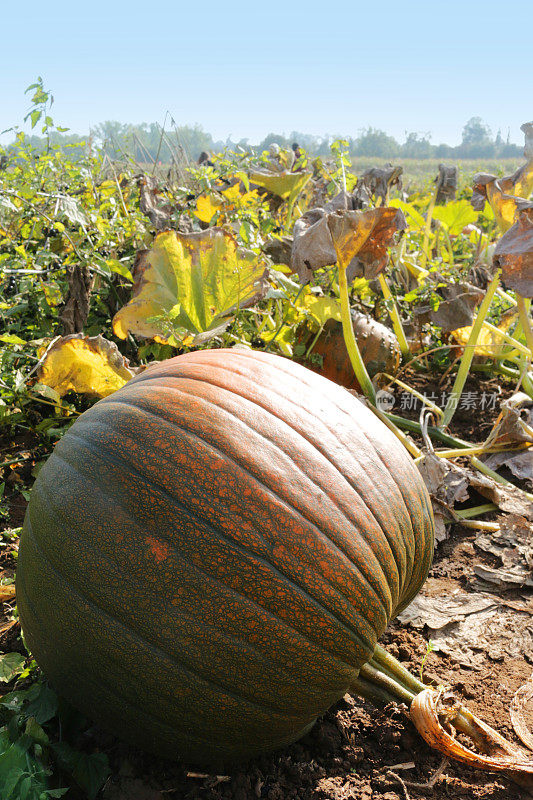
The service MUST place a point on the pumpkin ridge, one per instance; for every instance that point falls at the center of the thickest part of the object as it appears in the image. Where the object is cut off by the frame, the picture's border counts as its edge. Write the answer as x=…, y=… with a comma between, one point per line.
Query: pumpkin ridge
x=385, y=601
x=80, y=543
x=367, y=645
x=112, y=689
x=218, y=688
x=351, y=482
x=353, y=636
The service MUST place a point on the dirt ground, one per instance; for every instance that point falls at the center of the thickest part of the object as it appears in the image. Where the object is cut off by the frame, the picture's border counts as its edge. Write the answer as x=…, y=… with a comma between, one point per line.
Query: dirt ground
x=355, y=750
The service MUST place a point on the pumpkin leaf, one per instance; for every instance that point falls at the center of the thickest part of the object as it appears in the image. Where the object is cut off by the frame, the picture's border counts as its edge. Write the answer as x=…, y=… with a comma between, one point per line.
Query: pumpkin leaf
x=286, y=185
x=83, y=364
x=11, y=665
x=365, y=235
x=89, y=770
x=455, y=216
x=195, y=280
x=514, y=252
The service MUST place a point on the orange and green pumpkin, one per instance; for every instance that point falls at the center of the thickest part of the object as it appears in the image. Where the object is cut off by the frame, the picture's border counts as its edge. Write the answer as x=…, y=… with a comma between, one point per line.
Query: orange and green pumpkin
x=211, y=553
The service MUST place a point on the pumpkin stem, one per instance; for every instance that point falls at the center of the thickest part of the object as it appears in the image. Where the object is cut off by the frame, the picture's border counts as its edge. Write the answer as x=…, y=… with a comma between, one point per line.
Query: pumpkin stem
x=383, y=680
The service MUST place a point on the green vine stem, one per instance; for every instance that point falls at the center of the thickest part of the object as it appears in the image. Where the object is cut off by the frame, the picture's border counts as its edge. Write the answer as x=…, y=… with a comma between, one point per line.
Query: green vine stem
x=427, y=230
x=468, y=355
x=354, y=353
x=395, y=318
x=525, y=321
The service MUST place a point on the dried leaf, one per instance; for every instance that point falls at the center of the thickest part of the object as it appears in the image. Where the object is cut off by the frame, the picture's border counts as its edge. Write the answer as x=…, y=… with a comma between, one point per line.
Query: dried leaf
x=378, y=181
x=522, y=697
x=470, y=627
x=159, y=216
x=514, y=252
x=76, y=309
x=364, y=235
x=312, y=244
x=86, y=365
x=195, y=279
x=457, y=307
x=513, y=546
x=446, y=182
x=520, y=463
x=514, y=423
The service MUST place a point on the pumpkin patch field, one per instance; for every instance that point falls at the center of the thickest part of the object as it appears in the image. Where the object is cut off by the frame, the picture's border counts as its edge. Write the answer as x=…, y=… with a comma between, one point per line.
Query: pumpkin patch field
x=266, y=439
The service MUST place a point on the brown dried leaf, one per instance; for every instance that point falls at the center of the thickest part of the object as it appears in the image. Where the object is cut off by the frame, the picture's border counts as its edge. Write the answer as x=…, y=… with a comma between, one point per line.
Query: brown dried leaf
x=312, y=244
x=446, y=182
x=520, y=463
x=456, y=309
x=514, y=423
x=522, y=697
x=364, y=235
x=378, y=181
x=159, y=216
x=513, y=546
x=514, y=252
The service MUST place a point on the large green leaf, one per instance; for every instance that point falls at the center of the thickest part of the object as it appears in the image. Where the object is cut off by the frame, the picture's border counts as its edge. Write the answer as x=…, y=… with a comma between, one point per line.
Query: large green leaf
x=455, y=216
x=189, y=283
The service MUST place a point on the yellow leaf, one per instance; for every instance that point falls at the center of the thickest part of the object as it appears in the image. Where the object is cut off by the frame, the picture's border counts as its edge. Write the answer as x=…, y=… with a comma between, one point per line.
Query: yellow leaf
x=286, y=185
x=86, y=365
x=323, y=308
x=489, y=344
x=233, y=193
x=206, y=207
x=187, y=283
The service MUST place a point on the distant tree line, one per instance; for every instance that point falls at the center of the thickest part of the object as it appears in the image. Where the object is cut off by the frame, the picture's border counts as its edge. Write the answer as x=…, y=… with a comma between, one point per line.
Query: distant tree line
x=148, y=142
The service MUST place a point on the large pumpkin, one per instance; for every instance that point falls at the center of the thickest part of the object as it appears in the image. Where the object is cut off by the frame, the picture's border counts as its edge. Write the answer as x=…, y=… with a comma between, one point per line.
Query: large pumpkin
x=211, y=553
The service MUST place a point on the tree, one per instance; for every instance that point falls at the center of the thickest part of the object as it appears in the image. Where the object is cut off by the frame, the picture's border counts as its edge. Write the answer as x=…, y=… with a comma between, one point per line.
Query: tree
x=476, y=132
x=373, y=142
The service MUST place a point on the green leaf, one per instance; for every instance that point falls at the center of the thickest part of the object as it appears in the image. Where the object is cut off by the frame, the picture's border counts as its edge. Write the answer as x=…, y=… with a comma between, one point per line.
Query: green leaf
x=89, y=770
x=11, y=665
x=35, y=117
x=193, y=280
x=43, y=705
x=455, y=216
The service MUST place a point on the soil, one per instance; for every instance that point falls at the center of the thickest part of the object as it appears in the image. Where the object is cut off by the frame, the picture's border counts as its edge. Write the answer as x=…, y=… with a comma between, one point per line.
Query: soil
x=355, y=750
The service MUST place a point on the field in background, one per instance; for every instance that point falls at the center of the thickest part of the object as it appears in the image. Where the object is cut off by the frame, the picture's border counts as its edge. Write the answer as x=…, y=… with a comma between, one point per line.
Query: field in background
x=420, y=172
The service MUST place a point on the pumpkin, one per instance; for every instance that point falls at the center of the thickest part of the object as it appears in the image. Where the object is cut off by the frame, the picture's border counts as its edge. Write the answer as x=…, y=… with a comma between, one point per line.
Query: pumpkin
x=378, y=345
x=211, y=553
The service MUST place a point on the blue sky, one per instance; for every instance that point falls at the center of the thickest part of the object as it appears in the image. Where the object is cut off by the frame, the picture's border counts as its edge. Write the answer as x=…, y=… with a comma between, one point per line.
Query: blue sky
x=244, y=69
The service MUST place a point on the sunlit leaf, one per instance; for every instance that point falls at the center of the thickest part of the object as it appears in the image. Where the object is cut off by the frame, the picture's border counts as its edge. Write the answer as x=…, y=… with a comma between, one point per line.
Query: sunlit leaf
x=455, y=216
x=86, y=365
x=196, y=279
x=365, y=235
x=11, y=665
x=207, y=206
x=489, y=344
x=286, y=185
x=411, y=211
